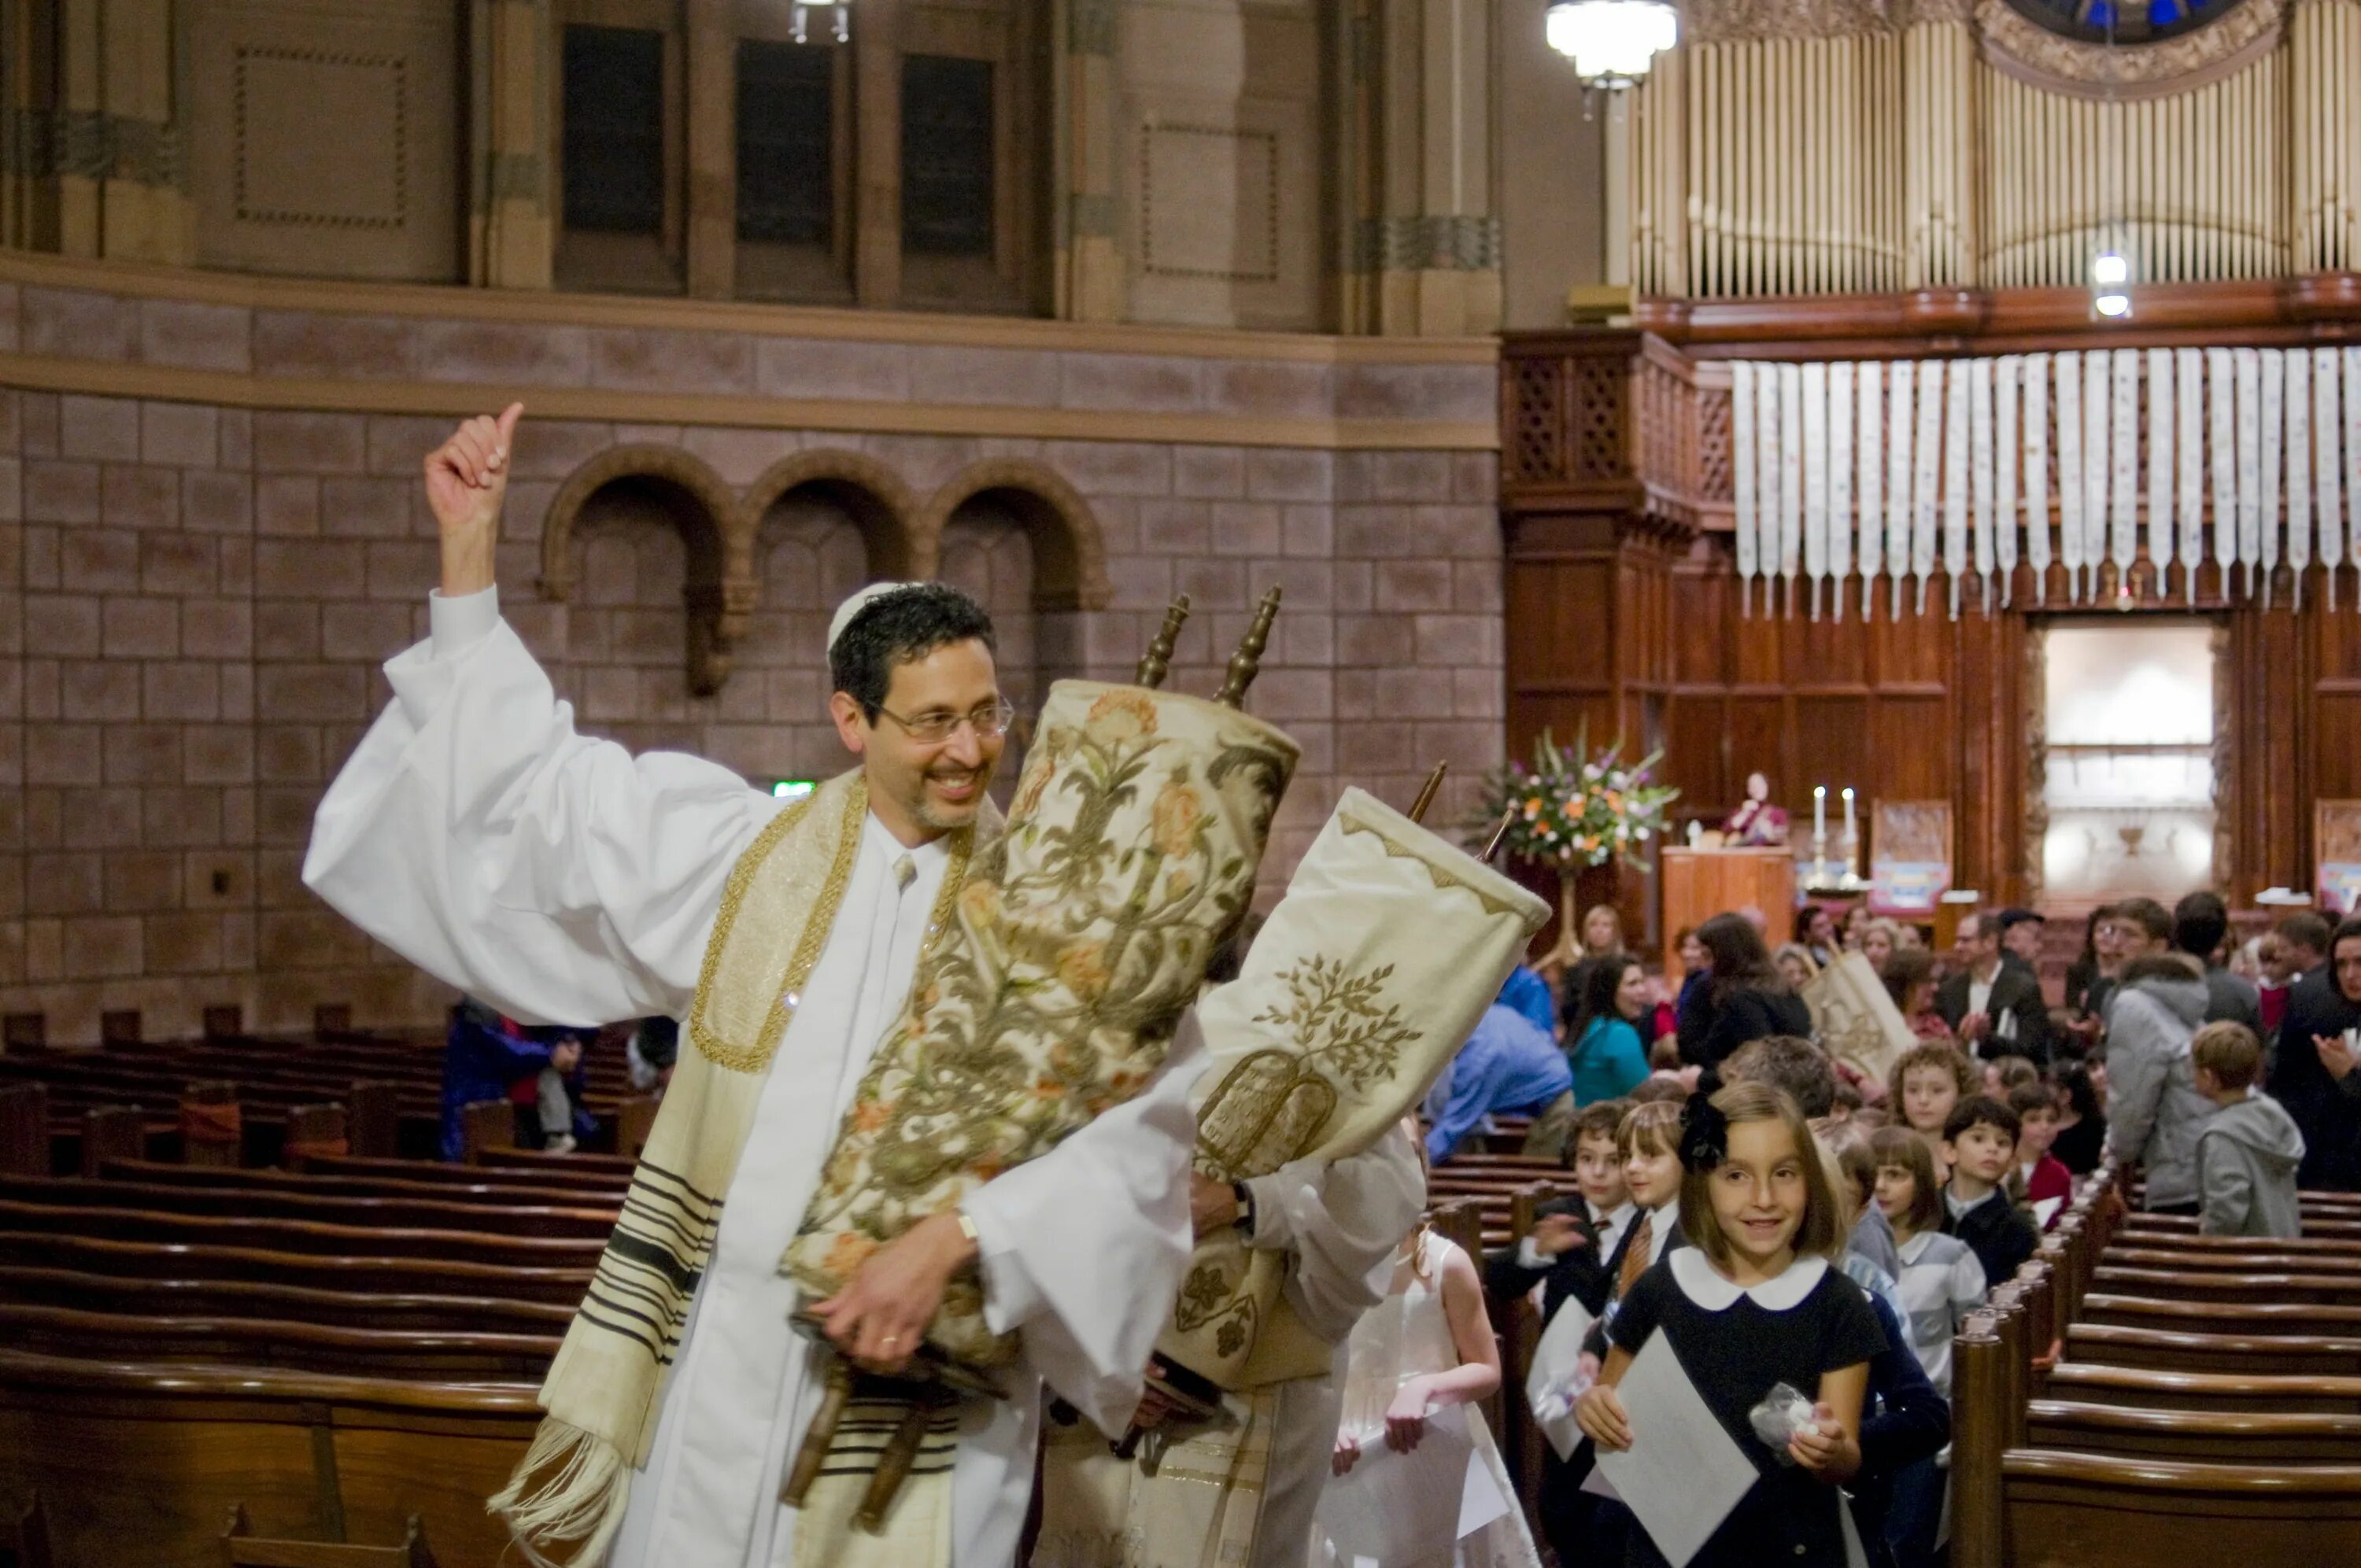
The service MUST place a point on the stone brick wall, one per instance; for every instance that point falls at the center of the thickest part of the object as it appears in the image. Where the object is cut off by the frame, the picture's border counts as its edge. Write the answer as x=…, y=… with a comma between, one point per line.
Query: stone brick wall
x=195, y=596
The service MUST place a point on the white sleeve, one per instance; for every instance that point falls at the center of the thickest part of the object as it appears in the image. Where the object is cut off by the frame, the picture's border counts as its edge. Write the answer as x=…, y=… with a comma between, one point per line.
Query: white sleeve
x=1081, y=1250
x=1341, y=1225
x=556, y=878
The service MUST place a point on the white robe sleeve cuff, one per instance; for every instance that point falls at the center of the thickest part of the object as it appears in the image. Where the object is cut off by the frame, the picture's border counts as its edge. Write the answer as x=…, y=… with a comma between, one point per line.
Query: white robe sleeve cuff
x=459, y=623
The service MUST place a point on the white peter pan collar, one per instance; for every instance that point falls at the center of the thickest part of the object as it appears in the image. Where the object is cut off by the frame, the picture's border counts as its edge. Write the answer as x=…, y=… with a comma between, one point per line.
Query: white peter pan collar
x=1701, y=1284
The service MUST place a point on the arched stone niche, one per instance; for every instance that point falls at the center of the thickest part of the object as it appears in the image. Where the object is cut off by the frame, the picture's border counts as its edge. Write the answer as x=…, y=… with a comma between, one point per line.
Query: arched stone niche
x=665, y=485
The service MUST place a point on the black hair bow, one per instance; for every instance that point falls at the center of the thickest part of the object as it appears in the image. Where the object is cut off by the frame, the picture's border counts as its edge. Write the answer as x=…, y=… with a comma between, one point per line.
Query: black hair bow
x=1705, y=1135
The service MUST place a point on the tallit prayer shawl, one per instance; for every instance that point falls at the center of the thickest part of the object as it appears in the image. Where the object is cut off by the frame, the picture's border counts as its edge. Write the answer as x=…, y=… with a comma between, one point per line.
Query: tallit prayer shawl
x=1367, y=978
x=604, y=1391
x=1080, y=936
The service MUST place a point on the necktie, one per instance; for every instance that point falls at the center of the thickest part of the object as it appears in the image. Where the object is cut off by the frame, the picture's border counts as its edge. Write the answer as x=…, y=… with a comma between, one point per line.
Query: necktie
x=905, y=871
x=1635, y=1256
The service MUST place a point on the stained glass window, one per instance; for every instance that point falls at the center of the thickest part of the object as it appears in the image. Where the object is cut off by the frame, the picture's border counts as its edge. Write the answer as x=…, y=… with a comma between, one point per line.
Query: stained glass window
x=2123, y=21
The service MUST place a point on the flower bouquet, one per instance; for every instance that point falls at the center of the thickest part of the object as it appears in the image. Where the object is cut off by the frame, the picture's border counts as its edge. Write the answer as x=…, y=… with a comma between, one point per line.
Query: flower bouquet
x=1567, y=809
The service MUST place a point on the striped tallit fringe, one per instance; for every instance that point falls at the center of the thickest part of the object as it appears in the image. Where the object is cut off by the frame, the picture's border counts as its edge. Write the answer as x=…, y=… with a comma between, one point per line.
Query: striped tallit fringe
x=648, y=1275
x=569, y=1495
x=917, y=1525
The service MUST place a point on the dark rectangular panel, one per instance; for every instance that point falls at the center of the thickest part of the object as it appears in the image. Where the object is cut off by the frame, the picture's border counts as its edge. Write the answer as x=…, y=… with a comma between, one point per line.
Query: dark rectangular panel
x=614, y=130
x=1912, y=740
x=786, y=157
x=946, y=169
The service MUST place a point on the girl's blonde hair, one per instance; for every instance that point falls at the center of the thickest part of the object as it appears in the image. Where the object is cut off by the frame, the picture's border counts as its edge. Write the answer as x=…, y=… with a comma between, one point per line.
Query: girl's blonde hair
x=1822, y=1230
x=1652, y=1123
x=1906, y=1150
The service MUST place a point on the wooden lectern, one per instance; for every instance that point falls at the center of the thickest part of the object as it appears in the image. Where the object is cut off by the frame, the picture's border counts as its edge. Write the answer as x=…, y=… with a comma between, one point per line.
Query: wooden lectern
x=1701, y=884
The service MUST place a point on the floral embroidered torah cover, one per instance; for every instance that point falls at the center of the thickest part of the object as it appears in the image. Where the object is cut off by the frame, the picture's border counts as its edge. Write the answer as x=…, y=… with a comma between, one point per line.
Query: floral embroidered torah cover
x=1080, y=936
x=1364, y=982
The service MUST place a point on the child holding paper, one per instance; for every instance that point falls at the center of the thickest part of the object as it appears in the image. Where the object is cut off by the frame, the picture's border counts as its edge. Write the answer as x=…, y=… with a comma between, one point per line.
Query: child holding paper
x=1428, y=1345
x=1753, y=1302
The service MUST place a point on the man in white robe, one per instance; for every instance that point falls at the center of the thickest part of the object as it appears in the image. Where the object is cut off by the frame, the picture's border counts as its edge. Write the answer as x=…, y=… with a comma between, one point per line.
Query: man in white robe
x=557, y=877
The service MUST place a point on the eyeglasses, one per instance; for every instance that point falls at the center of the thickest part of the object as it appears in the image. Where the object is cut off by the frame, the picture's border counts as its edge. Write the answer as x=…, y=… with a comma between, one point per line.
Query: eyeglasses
x=989, y=722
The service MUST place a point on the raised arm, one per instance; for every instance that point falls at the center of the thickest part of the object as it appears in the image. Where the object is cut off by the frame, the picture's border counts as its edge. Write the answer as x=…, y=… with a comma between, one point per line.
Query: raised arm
x=553, y=876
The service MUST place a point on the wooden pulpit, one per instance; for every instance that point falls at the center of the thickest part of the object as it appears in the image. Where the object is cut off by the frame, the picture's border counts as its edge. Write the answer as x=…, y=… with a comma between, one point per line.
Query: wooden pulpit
x=1701, y=884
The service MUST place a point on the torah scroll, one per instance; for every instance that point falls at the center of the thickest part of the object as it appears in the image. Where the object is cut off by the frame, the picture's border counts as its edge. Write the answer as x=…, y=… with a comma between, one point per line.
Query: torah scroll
x=1368, y=977
x=1082, y=934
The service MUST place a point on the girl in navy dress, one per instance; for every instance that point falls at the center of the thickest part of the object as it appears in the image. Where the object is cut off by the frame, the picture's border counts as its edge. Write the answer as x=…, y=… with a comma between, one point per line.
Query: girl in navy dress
x=1753, y=1302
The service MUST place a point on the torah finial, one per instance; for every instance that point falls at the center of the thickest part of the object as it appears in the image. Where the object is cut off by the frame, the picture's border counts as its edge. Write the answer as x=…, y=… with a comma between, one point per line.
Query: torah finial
x=1247, y=662
x=1158, y=660
x=1426, y=792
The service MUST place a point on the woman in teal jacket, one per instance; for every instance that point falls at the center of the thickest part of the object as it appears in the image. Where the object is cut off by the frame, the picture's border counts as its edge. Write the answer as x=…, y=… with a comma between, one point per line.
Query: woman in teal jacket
x=1602, y=1031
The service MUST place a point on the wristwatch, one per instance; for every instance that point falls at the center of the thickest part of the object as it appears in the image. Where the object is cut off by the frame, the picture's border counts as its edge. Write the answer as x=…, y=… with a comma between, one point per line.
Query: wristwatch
x=1245, y=1198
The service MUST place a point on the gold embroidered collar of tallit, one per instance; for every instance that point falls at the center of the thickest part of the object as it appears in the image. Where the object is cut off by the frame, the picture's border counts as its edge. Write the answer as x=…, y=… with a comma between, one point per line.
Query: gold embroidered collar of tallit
x=730, y=966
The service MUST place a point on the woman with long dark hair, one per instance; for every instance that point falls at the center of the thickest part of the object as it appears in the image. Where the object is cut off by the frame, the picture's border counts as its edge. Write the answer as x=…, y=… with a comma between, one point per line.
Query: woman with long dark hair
x=1744, y=997
x=1602, y=1030
x=2082, y=1138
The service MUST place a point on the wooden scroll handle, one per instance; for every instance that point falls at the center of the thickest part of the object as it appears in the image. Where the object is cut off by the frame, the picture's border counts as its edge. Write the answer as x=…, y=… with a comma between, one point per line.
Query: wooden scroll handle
x=1157, y=661
x=1247, y=662
x=1196, y=1398
x=1426, y=792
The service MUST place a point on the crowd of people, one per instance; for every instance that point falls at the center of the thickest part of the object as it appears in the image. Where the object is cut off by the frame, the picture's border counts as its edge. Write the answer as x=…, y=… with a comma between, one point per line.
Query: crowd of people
x=1829, y=1228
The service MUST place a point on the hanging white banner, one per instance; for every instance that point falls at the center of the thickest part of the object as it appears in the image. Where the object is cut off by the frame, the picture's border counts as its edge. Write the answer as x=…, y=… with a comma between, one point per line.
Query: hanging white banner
x=1980, y=473
x=1955, y=477
x=1839, y=478
x=2191, y=449
x=1767, y=476
x=1791, y=479
x=1741, y=478
x=1924, y=495
x=1900, y=465
x=1869, y=447
x=2161, y=428
x=2248, y=364
x=2123, y=463
x=2037, y=473
x=2004, y=385
x=2271, y=372
x=2070, y=471
x=2328, y=473
x=2298, y=467
x=2222, y=408
x=1816, y=479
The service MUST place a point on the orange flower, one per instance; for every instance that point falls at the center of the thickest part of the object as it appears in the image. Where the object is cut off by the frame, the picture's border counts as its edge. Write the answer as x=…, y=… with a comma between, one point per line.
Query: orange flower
x=1035, y=784
x=1082, y=969
x=978, y=903
x=870, y=1115
x=1175, y=817
x=1124, y=714
x=848, y=1252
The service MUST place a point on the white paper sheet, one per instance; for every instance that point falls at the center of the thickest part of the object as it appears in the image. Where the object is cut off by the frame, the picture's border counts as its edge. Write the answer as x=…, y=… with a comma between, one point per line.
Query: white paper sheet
x=1683, y=1474
x=1549, y=1391
x=1409, y=1507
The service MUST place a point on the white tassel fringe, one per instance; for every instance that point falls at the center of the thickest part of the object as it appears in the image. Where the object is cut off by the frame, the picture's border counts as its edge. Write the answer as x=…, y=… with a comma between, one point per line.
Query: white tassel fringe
x=582, y=1502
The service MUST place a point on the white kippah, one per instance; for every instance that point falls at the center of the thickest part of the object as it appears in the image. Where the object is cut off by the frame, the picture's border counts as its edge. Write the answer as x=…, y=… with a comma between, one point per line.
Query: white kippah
x=856, y=604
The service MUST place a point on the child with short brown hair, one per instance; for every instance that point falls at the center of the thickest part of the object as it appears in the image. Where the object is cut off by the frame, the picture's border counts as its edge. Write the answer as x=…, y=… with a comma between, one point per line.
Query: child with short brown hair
x=2040, y=1176
x=2248, y=1151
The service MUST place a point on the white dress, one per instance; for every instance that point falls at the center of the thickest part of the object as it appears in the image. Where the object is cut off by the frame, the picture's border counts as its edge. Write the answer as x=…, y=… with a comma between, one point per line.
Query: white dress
x=1404, y=1336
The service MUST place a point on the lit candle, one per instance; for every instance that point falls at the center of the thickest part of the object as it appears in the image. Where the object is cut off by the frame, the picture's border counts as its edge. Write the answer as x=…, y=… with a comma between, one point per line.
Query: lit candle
x=1847, y=800
x=1820, y=811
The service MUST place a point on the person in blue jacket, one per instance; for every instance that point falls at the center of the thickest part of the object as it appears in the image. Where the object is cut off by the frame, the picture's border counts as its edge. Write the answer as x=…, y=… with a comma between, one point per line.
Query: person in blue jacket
x=1529, y=993
x=487, y=1056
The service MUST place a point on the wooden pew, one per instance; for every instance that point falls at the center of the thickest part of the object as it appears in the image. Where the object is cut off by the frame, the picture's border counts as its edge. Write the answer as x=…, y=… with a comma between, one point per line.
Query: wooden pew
x=139, y=1462
x=241, y=1548
x=2077, y=1510
x=537, y=1221
x=413, y=1354
x=83, y=1290
x=389, y=1276
x=296, y=1235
